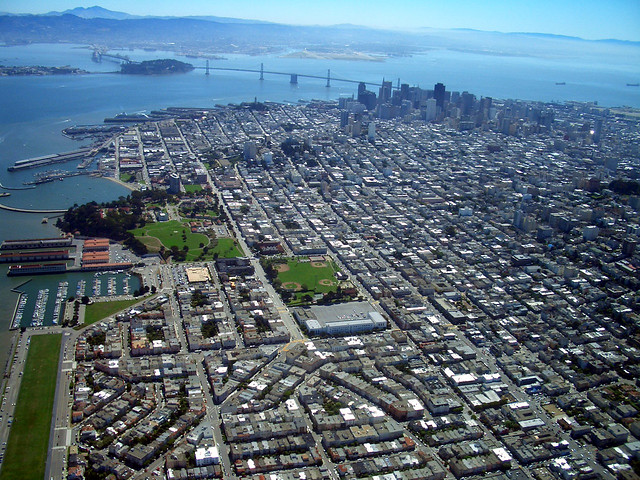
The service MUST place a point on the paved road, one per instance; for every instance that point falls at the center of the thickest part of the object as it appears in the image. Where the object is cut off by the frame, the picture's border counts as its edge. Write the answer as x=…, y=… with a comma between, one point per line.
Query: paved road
x=213, y=417
x=61, y=436
x=11, y=389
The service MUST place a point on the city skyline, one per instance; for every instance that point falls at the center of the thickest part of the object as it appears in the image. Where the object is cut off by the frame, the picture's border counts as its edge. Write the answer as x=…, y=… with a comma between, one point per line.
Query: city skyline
x=585, y=19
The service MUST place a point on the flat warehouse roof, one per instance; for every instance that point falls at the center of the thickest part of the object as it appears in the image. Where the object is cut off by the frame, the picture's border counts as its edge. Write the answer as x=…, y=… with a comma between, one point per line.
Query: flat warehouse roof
x=198, y=274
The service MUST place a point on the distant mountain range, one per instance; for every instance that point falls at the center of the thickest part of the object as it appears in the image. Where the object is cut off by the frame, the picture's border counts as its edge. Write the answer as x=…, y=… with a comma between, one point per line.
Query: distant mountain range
x=96, y=25
x=94, y=12
x=99, y=12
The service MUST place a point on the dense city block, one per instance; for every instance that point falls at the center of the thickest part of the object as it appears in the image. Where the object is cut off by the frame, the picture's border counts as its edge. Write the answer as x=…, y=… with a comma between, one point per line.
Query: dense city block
x=413, y=284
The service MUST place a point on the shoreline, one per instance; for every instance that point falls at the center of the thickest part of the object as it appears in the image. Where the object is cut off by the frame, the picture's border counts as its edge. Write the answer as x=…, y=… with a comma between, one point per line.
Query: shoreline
x=352, y=56
x=129, y=186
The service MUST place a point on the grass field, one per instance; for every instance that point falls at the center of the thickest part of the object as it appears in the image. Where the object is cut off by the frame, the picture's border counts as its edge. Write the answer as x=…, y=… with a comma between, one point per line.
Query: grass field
x=169, y=234
x=310, y=276
x=226, y=248
x=26, y=453
x=192, y=188
x=99, y=310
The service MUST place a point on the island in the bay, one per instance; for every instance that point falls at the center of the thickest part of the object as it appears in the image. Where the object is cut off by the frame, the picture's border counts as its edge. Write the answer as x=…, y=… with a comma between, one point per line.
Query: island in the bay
x=12, y=70
x=155, y=67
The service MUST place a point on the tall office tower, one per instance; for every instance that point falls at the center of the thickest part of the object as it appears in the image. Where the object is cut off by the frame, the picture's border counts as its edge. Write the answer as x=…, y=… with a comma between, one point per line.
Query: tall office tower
x=368, y=99
x=384, y=95
x=467, y=100
x=485, y=106
x=405, y=107
x=343, y=100
x=597, y=130
x=432, y=110
x=250, y=150
x=387, y=111
x=174, y=183
x=396, y=98
x=546, y=117
x=371, y=133
x=629, y=246
x=438, y=94
x=344, y=118
x=362, y=87
x=404, y=91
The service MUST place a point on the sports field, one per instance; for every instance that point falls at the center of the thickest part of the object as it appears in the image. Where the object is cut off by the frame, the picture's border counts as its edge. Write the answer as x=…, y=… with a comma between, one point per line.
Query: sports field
x=304, y=277
x=26, y=453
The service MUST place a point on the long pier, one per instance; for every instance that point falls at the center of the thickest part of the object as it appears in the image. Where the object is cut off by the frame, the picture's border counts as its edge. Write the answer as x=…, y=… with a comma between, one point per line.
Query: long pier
x=28, y=210
x=50, y=159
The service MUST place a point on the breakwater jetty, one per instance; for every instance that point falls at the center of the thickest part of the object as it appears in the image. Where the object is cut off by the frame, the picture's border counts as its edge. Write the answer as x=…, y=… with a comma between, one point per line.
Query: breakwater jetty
x=16, y=188
x=28, y=210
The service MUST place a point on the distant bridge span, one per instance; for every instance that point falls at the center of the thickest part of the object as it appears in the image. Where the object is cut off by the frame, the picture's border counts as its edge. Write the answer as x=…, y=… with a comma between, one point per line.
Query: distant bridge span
x=99, y=53
x=293, y=76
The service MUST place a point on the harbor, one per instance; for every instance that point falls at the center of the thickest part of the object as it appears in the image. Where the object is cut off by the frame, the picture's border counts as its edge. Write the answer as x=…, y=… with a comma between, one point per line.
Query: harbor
x=60, y=268
x=43, y=299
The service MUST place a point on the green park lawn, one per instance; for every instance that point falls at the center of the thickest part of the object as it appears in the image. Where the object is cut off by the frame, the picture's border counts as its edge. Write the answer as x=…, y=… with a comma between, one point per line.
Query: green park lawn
x=226, y=248
x=26, y=454
x=100, y=310
x=193, y=188
x=169, y=234
x=127, y=177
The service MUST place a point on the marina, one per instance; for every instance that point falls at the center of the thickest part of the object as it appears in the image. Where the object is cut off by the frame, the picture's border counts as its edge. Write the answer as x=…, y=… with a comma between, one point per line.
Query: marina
x=61, y=297
x=39, y=307
x=37, y=319
x=17, y=317
x=97, y=286
x=82, y=285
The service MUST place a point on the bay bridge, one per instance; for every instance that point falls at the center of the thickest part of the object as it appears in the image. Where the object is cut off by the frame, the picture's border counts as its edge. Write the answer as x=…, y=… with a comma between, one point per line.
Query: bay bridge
x=102, y=52
x=293, y=77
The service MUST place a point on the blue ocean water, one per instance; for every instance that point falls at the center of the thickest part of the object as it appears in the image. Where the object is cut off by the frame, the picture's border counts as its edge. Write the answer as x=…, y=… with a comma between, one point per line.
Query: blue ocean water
x=33, y=110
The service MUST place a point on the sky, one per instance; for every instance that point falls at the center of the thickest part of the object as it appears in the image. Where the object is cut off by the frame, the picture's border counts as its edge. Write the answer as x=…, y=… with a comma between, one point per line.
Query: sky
x=590, y=19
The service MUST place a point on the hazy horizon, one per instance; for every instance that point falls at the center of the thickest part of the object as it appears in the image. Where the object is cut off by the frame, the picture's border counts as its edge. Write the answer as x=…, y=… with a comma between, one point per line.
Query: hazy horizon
x=586, y=19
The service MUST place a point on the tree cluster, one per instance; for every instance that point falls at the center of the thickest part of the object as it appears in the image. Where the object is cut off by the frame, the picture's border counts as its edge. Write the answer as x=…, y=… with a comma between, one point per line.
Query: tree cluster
x=112, y=220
